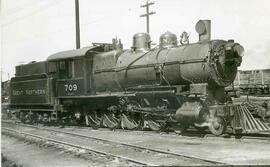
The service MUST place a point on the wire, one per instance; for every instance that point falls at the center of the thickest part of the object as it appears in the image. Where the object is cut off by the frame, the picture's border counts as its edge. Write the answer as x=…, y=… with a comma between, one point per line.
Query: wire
x=18, y=8
x=32, y=13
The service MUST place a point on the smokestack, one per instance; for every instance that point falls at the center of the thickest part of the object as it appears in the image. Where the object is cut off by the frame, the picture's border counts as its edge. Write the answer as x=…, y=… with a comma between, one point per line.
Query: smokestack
x=203, y=28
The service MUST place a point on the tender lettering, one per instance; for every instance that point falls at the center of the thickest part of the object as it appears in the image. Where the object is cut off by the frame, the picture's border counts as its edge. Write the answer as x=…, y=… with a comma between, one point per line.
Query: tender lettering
x=17, y=92
x=35, y=92
x=28, y=92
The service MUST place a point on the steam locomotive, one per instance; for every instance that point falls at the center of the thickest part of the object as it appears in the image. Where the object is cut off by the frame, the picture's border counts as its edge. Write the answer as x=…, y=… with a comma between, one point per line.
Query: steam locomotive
x=168, y=86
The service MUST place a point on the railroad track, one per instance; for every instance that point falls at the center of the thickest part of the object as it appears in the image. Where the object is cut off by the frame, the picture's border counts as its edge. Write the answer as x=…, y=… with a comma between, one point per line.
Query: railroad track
x=73, y=145
x=265, y=136
x=129, y=152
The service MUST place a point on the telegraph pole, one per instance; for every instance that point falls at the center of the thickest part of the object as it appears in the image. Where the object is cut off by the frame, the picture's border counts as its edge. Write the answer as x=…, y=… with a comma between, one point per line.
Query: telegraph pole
x=147, y=14
x=77, y=22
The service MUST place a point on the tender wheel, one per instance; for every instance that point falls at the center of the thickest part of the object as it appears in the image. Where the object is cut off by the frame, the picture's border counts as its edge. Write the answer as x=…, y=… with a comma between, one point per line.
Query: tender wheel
x=22, y=117
x=217, y=126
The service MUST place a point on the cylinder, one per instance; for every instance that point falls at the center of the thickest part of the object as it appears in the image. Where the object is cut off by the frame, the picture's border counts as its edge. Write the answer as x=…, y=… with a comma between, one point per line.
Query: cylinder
x=190, y=113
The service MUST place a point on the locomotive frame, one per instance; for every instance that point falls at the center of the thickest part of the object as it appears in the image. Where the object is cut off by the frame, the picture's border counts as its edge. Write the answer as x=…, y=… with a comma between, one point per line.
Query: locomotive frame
x=141, y=88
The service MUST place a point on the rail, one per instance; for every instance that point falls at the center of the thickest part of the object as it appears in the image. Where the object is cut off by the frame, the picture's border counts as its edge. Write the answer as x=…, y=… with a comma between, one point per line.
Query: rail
x=137, y=147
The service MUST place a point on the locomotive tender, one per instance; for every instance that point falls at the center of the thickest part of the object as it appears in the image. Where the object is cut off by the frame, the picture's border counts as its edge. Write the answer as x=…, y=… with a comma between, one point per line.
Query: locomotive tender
x=103, y=85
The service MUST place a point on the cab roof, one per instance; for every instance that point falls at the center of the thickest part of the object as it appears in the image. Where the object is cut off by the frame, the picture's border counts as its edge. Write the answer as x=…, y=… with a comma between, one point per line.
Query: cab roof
x=69, y=54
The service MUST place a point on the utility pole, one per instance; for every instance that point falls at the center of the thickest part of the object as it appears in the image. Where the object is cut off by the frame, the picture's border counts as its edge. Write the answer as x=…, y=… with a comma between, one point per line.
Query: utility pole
x=77, y=22
x=147, y=14
x=1, y=76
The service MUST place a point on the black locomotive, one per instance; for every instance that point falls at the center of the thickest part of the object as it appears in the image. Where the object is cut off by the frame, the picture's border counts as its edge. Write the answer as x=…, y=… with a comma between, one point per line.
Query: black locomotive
x=105, y=86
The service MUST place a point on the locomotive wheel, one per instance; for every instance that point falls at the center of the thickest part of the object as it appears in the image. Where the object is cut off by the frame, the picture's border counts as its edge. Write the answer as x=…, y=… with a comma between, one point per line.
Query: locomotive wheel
x=180, y=128
x=153, y=125
x=110, y=121
x=217, y=126
x=127, y=123
x=92, y=120
x=201, y=129
x=22, y=116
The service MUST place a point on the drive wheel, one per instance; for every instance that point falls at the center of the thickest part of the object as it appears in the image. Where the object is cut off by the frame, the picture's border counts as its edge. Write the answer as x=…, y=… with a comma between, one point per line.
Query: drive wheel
x=217, y=126
x=93, y=120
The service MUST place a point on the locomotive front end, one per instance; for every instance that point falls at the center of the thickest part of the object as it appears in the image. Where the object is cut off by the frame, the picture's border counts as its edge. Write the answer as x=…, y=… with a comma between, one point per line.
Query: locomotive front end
x=209, y=61
x=209, y=66
x=225, y=58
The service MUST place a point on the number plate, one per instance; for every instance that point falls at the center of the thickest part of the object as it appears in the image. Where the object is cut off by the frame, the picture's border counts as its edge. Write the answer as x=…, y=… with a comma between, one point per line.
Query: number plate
x=70, y=87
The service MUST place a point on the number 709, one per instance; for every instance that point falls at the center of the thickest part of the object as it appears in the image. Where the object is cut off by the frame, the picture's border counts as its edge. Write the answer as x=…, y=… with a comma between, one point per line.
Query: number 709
x=71, y=87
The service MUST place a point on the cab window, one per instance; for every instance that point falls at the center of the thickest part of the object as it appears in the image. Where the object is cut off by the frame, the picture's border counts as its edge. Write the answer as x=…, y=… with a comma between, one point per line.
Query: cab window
x=66, y=69
x=78, y=66
x=52, y=67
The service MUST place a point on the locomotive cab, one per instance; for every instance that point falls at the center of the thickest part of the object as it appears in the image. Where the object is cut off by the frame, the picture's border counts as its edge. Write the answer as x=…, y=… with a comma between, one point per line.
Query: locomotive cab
x=68, y=69
x=74, y=69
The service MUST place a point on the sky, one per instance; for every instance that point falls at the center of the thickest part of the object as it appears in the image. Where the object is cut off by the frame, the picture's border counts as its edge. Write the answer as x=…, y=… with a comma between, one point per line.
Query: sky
x=34, y=29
